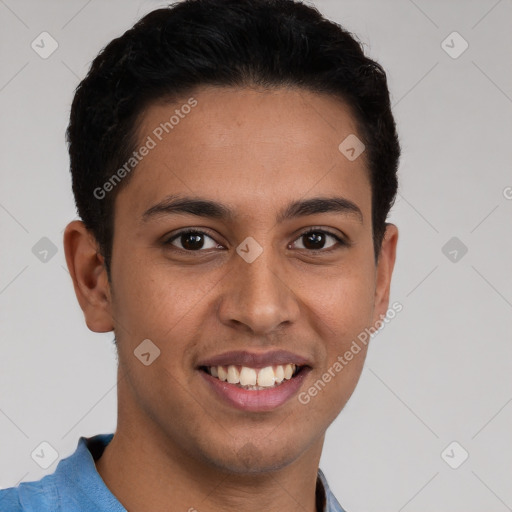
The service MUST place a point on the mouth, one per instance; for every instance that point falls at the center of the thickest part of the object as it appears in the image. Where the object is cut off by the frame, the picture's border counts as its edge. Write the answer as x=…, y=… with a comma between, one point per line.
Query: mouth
x=254, y=379
x=254, y=382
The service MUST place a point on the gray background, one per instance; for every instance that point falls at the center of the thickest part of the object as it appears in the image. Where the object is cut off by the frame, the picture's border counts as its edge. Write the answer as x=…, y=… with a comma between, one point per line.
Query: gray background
x=439, y=372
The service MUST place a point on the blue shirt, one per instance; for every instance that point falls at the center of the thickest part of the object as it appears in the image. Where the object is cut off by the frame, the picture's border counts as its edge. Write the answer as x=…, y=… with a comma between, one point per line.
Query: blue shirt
x=76, y=486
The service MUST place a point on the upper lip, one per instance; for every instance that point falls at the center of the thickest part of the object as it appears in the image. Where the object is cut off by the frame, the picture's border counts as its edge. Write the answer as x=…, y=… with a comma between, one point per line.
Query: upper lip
x=255, y=360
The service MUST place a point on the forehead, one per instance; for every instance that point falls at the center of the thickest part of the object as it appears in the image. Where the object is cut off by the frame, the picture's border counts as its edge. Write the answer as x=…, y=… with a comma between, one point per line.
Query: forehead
x=246, y=146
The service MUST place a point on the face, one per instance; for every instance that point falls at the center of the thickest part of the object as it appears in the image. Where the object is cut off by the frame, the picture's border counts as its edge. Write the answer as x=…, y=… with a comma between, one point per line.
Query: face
x=268, y=277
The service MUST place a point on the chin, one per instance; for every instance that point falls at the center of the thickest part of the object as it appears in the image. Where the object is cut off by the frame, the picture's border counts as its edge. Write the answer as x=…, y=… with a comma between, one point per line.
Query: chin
x=246, y=465
x=257, y=457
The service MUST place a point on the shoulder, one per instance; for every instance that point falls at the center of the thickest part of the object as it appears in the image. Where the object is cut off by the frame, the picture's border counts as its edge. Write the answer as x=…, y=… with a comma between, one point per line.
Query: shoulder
x=35, y=496
x=75, y=485
x=9, y=500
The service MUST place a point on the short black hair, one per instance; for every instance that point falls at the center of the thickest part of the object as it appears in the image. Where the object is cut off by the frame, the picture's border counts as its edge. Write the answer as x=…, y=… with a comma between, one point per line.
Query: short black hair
x=173, y=51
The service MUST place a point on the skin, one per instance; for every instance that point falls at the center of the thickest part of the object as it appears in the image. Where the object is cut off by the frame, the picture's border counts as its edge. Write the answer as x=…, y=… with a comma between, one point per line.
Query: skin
x=254, y=151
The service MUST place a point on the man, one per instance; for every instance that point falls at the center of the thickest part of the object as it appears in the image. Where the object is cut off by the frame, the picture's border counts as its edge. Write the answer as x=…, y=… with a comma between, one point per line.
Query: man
x=233, y=164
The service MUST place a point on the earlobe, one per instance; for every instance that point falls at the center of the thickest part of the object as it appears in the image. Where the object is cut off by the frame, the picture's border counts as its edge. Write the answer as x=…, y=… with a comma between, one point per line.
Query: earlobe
x=384, y=271
x=89, y=275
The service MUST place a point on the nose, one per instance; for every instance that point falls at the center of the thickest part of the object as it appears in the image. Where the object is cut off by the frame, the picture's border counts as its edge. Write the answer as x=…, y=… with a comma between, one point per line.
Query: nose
x=256, y=297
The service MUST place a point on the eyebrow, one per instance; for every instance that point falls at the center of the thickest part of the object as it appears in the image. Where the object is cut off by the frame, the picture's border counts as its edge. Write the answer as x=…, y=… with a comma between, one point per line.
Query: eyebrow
x=174, y=204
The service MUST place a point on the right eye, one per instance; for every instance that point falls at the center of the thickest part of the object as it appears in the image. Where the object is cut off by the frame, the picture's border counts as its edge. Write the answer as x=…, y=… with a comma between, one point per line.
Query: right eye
x=191, y=240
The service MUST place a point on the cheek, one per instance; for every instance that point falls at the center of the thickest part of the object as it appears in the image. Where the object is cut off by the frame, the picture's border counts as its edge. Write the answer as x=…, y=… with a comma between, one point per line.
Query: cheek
x=341, y=307
x=332, y=385
x=341, y=301
x=152, y=298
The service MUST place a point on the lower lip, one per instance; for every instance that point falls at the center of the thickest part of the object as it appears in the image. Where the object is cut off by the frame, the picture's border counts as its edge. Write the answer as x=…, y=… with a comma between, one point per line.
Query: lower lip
x=257, y=400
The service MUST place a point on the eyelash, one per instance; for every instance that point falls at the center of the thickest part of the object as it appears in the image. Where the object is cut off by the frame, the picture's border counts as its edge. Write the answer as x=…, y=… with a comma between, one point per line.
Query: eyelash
x=190, y=231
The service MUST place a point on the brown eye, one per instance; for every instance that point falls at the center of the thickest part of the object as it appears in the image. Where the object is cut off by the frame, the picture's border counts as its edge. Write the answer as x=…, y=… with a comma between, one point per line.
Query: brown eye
x=315, y=240
x=192, y=241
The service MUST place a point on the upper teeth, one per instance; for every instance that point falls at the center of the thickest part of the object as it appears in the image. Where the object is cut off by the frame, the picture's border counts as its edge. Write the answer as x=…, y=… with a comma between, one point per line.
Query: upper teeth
x=245, y=376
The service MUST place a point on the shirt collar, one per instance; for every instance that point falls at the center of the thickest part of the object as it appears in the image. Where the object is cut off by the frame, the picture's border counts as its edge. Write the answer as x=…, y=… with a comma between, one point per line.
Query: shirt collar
x=329, y=501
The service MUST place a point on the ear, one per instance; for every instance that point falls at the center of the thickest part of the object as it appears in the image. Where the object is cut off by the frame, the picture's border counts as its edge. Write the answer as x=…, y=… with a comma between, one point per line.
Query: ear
x=384, y=271
x=87, y=269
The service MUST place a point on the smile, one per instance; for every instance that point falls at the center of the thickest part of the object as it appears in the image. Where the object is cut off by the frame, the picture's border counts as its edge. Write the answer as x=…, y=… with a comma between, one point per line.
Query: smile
x=254, y=379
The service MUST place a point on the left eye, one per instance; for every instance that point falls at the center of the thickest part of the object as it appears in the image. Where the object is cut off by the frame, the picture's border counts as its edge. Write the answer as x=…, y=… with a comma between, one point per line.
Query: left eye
x=315, y=240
